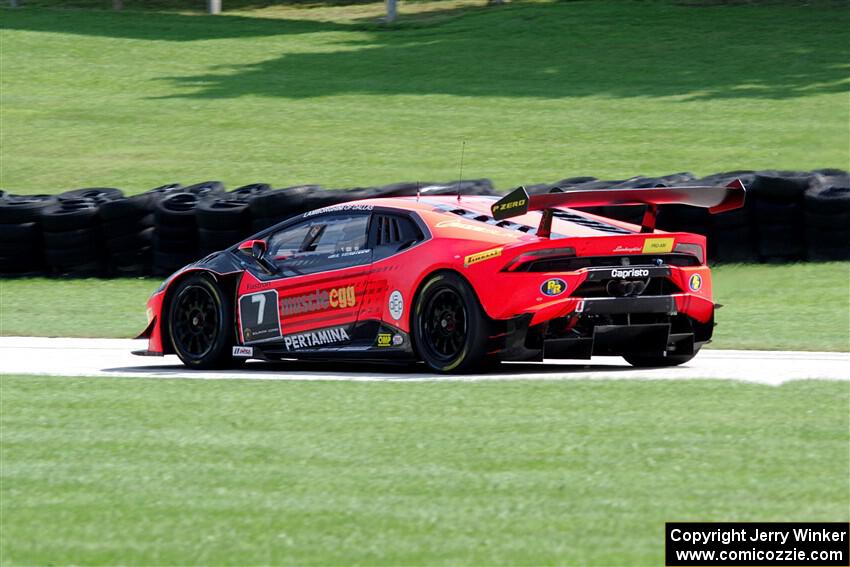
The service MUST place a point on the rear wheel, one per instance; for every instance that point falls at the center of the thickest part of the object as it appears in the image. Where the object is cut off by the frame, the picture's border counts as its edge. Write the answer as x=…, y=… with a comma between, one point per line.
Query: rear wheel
x=200, y=324
x=657, y=360
x=450, y=329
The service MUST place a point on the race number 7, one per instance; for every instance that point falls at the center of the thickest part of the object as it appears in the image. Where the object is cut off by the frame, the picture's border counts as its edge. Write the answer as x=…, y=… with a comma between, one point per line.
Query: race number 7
x=261, y=299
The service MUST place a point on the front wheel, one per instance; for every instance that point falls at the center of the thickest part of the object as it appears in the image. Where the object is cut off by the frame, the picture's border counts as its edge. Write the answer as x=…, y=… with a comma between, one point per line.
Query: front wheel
x=200, y=324
x=658, y=360
x=450, y=329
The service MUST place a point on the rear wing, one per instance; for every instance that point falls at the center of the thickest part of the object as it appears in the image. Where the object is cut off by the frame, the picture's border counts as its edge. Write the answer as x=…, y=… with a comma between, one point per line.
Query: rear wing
x=715, y=199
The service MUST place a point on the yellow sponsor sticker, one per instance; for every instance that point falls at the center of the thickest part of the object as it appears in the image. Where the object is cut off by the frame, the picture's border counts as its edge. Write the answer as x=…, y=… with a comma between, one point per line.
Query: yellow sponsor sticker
x=481, y=256
x=384, y=339
x=652, y=245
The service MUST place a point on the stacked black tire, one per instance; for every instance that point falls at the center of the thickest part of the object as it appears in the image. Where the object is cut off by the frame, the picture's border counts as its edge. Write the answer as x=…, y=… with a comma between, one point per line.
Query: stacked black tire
x=827, y=216
x=225, y=218
x=776, y=200
x=73, y=243
x=175, y=240
x=274, y=205
x=21, y=234
x=127, y=226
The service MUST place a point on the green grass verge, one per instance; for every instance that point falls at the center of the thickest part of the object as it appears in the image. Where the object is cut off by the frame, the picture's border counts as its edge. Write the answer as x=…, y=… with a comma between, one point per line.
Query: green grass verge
x=538, y=91
x=138, y=471
x=797, y=306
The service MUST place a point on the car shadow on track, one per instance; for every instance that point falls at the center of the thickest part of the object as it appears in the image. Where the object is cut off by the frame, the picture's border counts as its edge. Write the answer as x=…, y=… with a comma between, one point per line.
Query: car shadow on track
x=368, y=370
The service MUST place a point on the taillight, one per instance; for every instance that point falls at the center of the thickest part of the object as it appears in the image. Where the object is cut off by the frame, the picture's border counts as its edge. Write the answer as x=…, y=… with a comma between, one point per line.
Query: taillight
x=692, y=249
x=532, y=255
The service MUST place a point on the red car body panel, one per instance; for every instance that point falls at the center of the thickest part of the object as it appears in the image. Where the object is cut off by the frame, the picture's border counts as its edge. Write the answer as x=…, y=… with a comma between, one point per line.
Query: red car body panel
x=470, y=244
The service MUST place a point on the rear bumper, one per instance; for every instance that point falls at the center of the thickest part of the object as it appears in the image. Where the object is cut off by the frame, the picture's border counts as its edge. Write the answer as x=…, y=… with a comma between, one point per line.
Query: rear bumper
x=606, y=326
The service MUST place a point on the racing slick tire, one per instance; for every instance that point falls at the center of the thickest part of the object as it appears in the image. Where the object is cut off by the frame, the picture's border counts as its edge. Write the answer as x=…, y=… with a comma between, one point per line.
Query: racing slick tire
x=658, y=360
x=450, y=329
x=200, y=323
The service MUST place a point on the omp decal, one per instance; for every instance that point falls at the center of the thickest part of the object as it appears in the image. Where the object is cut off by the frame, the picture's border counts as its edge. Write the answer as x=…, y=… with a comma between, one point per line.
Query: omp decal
x=553, y=287
x=384, y=339
x=629, y=273
x=695, y=282
x=315, y=338
x=652, y=245
x=482, y=256
x=243, y=351
x=396, y=305
x=336, y=298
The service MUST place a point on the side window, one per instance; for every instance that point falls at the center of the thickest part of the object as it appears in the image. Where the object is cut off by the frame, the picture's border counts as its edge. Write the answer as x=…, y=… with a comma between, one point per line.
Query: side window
x=324, y=243
x=393, y=233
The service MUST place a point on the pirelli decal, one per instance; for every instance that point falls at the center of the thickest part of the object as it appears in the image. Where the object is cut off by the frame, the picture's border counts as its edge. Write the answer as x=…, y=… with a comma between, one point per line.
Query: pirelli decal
x=657, y=245
x=482, y=256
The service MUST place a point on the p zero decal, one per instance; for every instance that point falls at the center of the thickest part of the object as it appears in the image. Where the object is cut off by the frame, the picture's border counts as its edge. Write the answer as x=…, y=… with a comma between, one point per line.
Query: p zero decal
x=657, y=245
x=258, y=317
x=553, y=287
x=482, y=256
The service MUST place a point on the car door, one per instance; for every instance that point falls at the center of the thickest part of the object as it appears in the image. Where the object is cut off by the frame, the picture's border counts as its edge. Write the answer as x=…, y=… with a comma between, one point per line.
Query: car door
x=314, y=299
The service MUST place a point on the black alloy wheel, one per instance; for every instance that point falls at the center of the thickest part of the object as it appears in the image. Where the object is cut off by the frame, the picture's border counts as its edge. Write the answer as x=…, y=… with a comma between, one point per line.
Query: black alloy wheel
x=200, y=323
x=450, y=329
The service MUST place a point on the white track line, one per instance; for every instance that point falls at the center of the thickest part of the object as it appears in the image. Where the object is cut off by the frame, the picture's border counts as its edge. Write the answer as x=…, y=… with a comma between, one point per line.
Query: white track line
x=111, y=357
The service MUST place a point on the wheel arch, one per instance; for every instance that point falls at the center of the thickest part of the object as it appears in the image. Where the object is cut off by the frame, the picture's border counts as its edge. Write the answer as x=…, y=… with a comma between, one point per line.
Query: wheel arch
x=227, y=282
x=421, y=285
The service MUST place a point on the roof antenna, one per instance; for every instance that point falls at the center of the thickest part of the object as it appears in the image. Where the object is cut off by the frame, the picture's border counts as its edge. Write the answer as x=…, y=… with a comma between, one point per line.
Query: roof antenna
x=417, y=191
x=460, y=176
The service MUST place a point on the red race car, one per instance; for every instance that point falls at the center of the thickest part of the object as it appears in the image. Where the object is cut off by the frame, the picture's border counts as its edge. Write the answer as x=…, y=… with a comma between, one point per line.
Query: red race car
x=456, y=282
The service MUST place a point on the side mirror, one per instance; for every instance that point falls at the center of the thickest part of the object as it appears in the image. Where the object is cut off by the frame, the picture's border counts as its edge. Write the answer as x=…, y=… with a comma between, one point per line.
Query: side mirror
x=254, y=248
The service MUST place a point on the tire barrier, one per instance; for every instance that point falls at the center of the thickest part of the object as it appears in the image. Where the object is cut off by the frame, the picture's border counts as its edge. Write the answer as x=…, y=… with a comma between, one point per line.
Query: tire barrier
x=789, y=216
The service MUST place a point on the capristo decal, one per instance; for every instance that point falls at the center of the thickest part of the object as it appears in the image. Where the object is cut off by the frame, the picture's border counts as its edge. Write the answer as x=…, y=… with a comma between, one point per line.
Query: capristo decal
x=315, y=338
x=695, y=282
x=396, y=305
x=629, y=273
x=482, y=256
x=336, y=298
x=653, y=245
x=553, y=287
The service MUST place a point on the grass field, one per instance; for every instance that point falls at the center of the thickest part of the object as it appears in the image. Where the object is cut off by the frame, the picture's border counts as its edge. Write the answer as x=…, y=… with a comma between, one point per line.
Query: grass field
x=801, y=306
x=538, y=91
x=137, y=471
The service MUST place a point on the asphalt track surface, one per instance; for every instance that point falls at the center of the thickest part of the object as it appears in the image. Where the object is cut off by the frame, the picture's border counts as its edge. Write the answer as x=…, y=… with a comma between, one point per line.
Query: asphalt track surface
x=112, y=357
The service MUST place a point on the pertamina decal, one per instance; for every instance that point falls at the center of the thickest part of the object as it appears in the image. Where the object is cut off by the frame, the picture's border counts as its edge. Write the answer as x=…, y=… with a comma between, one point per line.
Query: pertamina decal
x=482, y=256
x=553, y=287
x=695, y=282
x=315, y=338
x=336, y=298
x=655, y=245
